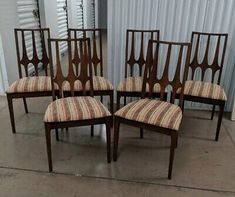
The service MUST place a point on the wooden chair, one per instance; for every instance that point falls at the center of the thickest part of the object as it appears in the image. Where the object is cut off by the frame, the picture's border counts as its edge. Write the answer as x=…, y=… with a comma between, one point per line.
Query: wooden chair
x=102, y=86
x=29, y=86
x=196, y=88
x=131, y=86
x=72, y=111
x=158, y=115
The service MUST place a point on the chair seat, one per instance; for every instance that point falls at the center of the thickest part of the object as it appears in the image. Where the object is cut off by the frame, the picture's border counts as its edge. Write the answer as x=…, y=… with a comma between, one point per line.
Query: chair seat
x=205, y=90
x=153, y=112
x=31, y=84
x=134, y=84
x=99, y=84
x=75, y=108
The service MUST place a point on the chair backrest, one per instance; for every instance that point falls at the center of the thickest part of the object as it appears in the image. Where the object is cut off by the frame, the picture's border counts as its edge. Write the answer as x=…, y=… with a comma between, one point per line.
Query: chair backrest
x=136, y=49
x=95, y=36
x=32, y=42
x=79, y=53
x=207, y=45
x=167, y=65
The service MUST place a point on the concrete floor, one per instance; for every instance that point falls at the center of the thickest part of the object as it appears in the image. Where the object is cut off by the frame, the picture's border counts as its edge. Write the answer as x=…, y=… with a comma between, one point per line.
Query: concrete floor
x=202, y=166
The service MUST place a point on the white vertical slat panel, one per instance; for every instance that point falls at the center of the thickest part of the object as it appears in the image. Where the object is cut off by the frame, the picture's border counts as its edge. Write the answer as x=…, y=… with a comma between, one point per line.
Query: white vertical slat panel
x=93, y=13
x=3, y=73
x=27, y=19
x=79, y=9
x=175, y=19
x=89, y=13
x=62, y=23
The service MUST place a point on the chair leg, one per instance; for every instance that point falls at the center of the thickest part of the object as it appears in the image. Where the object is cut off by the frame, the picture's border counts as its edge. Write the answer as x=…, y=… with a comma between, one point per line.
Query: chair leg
x=111, y=102
x=108, y=137
x=25, y=106
x=101, y=99
x=11, y=112
x=48, y=143
x=221, y=111
x=213, y=112
x=172, y=152
x=141, y=133
x=116, y=138
x=57, y=134
x=183, y=106
x=118, y=101
x=92, y=130
x=124, y=100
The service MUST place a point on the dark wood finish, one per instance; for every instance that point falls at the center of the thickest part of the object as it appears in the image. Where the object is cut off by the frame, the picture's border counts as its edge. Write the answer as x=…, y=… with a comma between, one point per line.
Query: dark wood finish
x=24, y=62
x=136, y=40
x=79, y=52
x=216, y=67
x=151, y=77
x=96, y=57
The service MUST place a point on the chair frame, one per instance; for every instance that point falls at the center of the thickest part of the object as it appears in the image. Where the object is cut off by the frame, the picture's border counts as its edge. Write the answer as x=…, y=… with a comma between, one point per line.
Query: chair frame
x=204, y=66
x=164, y=81
x=25, y=61
x=71, y=78
x=141, y=61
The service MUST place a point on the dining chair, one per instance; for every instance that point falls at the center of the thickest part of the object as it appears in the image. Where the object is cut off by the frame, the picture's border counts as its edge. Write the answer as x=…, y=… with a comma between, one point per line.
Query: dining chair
x=203, y=84
x=167, y=65
x=135, y=59
x=32, y=55
x=102, y=86
x=79, y=110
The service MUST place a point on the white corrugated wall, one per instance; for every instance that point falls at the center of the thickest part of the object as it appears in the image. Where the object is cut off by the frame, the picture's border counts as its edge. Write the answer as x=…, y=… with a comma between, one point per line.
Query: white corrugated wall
x=176, y=19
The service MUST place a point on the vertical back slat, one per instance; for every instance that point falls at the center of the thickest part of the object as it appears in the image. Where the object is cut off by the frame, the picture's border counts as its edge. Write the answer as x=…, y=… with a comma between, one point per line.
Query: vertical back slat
x=204, y=66
x=164, y=81
x=133, y=43
x=97, y=55
x=22, y=54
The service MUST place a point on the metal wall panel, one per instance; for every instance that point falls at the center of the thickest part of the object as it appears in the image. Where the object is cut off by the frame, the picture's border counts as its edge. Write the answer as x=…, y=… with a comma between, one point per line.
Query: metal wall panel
x=175, y=19
x=62, y=23
x=80, y=17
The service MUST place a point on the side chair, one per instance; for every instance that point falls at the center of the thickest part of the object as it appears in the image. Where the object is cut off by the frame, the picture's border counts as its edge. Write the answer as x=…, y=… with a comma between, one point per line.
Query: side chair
x=30, y=86
x=157, y=114
x=102, y=86
x=199, y=87
x=74, y=110
x=135, y=60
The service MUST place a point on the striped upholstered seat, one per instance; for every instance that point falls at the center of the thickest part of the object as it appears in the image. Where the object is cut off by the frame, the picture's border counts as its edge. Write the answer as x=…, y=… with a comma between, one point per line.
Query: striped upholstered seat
x=153, y=112
x=30, y=84
x=134, y=84
x=205, y=90
x=75, y=108
x=99, y=84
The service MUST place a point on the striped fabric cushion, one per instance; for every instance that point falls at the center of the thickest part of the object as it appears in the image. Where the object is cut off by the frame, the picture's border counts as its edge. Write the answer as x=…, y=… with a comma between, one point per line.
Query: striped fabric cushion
x=75, y=108
x=31, y=84
x=99, y=83
x=153, y=112
x=134, y=84
x=205, y=90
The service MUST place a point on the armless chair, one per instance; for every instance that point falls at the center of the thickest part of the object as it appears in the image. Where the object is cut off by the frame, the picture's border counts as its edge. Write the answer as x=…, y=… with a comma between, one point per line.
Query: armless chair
x=197, y=89
x=102, y=86
x=72, y=111
x=135, y=59
x=158, y=115
x=30, y=86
